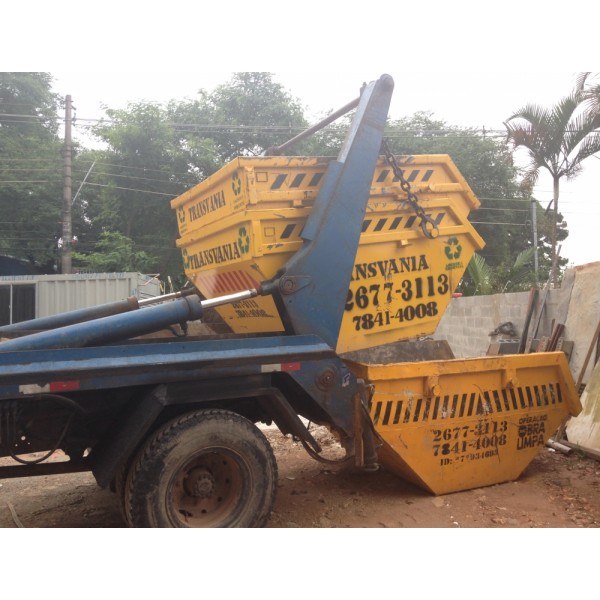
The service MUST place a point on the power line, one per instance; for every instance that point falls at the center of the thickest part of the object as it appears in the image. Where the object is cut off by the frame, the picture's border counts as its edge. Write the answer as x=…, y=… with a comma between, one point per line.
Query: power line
x=30, y=170
x=116, y=175
x=496, y=223
x=218, y=127
x=39, y=117
x=128, y=166
x=17, y=103
x=49, y=159
x=116, y=187
x=30, y=181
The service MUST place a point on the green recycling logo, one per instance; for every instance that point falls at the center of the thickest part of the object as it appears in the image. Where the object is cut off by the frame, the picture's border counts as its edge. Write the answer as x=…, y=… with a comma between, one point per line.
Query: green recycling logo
x=236, y=183
x=453, y=249
x=243, y=241
x=186, y=258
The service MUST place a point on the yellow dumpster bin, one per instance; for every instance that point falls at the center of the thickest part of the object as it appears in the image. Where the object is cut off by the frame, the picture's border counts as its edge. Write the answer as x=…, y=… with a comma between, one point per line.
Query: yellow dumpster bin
x=241, y=225
x=453, y=425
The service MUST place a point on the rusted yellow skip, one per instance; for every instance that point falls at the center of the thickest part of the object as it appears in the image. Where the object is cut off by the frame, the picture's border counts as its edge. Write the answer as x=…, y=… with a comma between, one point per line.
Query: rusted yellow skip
x=459, y=424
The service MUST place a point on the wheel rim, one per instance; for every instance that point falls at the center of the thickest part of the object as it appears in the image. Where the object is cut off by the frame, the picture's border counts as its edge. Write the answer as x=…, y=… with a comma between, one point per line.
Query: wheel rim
x=209, y=489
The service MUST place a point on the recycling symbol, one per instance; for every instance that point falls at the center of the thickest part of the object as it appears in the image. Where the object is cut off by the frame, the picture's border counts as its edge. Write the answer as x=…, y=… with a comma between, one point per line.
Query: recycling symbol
x=243, y=241
x=181, y=214
x=236, y=183
x=453, y=249
x=186, y=258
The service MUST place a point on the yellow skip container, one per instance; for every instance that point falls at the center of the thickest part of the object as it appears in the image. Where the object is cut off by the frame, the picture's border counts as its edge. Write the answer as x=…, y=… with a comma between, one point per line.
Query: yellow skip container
x=242, y=224
x=455, y=425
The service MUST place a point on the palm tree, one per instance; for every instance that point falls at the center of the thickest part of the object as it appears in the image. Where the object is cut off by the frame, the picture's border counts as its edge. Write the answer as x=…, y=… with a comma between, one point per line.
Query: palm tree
x=588, y=86
x=484, y=279
x=558, y=140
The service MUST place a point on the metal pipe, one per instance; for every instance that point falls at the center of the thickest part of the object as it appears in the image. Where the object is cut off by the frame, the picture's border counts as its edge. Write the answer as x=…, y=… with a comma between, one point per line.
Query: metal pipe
x=110, y=329
x=276, y=150
x=230, y=298
x=71, y=317
x=165, y=297
x=88, y=314
x=124, y=326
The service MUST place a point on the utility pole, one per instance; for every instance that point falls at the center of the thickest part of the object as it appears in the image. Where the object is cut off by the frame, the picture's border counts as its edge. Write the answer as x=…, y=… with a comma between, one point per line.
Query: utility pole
x=67, y=229
x=535, y=238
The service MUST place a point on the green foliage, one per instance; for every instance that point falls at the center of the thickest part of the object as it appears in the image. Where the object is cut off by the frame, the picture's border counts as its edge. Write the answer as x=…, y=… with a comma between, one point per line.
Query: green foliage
x=558, y=139
x=483, y=279
x=154, y=153
x=30, y=170
x=254, y=113
x=133, y=180
x=113, y=252
x=588, y=89
x=503, y=220
x=479, y=278
x=29, y=107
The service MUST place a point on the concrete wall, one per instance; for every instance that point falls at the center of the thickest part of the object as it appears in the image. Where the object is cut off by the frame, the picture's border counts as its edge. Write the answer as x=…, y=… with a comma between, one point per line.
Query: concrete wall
x=583, y=316
x=468, y=322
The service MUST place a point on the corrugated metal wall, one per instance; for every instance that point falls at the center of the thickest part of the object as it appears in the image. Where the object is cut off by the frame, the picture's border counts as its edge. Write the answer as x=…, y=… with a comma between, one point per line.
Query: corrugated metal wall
x=60, y=293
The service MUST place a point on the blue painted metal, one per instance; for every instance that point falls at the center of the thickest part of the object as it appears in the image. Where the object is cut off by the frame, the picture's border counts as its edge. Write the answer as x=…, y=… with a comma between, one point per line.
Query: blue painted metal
x=122, y=365
x=318, y=274
x=306, y=359
x=71, y=317
x=88, y=314
x=112, y=328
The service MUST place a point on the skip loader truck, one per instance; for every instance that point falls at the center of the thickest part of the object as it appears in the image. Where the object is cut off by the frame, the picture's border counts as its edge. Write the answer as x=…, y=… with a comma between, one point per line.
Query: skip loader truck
x=331, y=274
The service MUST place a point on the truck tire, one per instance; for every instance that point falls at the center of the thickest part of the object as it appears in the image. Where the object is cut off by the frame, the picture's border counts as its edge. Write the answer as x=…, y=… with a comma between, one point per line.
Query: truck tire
x=210, y=468
x=120, y=487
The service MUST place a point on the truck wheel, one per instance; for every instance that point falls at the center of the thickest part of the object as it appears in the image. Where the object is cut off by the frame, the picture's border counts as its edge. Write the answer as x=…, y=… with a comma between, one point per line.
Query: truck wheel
x=211, y=468
x=120, y=487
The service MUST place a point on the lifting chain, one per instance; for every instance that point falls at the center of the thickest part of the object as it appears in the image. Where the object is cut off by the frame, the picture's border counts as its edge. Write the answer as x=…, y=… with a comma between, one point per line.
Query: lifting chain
x=428, y=225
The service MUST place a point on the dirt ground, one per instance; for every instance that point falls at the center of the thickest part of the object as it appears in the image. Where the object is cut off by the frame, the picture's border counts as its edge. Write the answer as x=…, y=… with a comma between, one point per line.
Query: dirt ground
x=555, y=491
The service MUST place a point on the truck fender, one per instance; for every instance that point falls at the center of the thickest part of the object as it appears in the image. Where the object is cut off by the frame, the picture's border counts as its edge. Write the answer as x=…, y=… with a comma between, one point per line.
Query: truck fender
x=108, y=458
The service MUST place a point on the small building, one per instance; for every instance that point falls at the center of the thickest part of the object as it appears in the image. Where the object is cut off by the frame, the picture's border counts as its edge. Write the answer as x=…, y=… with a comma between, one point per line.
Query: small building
x=24, y=297
x=9, y=265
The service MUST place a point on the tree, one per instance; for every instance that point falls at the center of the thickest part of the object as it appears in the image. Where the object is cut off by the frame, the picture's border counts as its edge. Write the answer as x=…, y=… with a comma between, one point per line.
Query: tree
x=486, y=164
x=114, y=252
x=558, y=140
x=253, y=113
x=588, y=88
x=484, y=279
x=142, y=168
x=31, y=169
x=153, y=153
